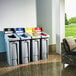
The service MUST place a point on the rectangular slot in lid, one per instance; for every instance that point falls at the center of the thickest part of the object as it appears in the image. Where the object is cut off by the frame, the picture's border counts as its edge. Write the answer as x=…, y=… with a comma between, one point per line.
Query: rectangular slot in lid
x=23, y=35
x=43, y=34
x=11, y=36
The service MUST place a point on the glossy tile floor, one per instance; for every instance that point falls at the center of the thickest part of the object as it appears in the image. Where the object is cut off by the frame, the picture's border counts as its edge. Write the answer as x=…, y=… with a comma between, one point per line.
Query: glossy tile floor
x=69, y=71
x=46, y=67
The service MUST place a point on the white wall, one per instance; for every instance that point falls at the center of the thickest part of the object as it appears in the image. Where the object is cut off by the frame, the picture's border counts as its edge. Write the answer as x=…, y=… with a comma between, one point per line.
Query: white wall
x=58, y=44
x=54, y=20
x=44, y=17
x=61, y=25
x=17, y=13
x=62, y=19
x=50, y=15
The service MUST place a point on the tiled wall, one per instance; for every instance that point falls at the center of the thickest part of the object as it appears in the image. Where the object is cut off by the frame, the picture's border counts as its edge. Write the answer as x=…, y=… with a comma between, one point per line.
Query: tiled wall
x=2, y=42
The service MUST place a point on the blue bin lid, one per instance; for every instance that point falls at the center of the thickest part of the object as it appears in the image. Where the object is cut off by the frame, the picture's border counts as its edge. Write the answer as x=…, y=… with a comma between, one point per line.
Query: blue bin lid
x=19, y=30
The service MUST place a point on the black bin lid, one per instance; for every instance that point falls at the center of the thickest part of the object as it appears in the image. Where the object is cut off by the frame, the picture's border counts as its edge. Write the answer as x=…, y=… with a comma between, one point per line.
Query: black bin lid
x=7, y=30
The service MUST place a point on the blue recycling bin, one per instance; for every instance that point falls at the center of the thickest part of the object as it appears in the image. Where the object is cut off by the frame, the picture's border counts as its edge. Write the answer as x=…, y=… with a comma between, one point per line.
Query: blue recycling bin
x=24, y=45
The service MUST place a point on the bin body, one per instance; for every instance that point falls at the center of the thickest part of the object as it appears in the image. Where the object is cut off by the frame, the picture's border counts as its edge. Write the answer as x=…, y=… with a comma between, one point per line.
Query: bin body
x=35, y=49
x=12, y=48
x=44, y=48
x=24, y=45
x=14, y=52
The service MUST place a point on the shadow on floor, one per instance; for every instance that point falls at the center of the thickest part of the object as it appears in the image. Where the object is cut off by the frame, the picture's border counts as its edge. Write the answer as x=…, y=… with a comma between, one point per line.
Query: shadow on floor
x=3, y=64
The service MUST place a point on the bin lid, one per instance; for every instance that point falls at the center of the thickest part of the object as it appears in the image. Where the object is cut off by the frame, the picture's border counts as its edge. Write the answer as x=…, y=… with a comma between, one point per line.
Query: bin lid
x=37, y=29
x=8, y=30
x=34, y=35
x=28, y=29
x=19, y=30
x=24, y=36
x=12, y=37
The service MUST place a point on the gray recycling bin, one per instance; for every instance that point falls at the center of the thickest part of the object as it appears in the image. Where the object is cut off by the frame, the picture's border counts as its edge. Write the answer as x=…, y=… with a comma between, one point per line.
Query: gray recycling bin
x=44, y=45
x=35, y=47
x=12, y=46
x=44, y=42
x=24, y=45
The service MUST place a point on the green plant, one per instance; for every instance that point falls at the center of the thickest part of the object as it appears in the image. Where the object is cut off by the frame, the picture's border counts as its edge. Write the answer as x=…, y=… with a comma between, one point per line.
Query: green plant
x=66, y=20
x=72, y=20
x=70, y=30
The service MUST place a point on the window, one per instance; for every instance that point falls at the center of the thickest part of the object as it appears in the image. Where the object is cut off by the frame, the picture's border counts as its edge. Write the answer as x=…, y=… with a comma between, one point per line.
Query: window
x=70, y=18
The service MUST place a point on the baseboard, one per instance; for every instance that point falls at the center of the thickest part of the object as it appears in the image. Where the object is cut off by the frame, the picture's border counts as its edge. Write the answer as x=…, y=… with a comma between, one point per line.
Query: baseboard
x=2, y=56
x=52, y=48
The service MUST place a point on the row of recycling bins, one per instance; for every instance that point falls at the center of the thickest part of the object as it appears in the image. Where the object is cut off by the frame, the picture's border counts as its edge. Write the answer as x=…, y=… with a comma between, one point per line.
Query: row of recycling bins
x=26, y=45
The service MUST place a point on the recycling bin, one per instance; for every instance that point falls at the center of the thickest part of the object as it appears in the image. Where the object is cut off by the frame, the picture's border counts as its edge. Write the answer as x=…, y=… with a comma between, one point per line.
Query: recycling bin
x=24, y=45
x=12, y=46
x=35, y=45
x=44, y=42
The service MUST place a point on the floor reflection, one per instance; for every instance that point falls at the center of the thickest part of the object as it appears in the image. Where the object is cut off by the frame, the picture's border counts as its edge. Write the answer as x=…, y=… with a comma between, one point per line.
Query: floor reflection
x=46, y=69
x=69, y=71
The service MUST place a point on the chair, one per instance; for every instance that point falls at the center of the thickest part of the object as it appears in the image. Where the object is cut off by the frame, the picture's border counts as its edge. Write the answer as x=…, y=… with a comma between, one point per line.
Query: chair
x=68, y=57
